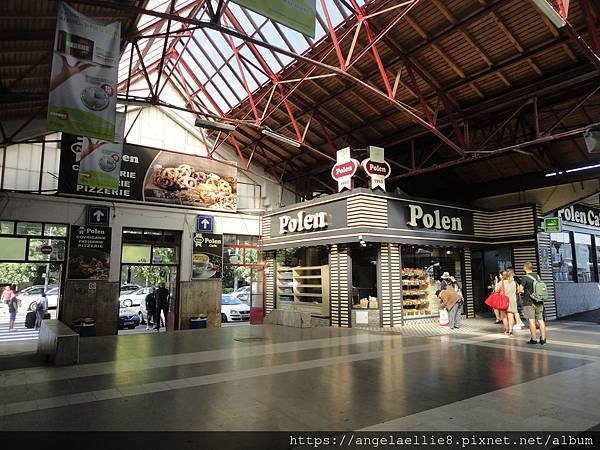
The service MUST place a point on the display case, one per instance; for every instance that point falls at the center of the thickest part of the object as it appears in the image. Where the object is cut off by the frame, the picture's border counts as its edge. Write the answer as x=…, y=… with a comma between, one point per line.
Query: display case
x=304, y=289
x=418, y=294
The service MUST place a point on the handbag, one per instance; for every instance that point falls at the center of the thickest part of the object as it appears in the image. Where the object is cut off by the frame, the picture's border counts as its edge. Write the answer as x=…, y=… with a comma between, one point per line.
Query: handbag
x=443, y=317
x=498, y=300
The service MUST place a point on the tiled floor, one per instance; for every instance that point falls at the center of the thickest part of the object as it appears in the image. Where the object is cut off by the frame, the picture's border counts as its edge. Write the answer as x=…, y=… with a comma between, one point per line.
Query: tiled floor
x=278, y=378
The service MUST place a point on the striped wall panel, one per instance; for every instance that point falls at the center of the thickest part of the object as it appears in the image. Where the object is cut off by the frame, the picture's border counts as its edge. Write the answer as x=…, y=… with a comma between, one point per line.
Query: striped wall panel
x=269, y=282
x=365, y=211
x=390, y=296
x=468, y=284
x=521, y=255
x=545, y=265
x=340, y=289
x=499, y=224
x=265, y=227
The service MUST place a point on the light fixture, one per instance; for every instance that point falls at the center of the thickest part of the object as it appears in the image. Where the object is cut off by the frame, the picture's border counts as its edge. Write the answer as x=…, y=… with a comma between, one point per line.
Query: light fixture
x=548, y=10
x=213, y=125
x=281, y=138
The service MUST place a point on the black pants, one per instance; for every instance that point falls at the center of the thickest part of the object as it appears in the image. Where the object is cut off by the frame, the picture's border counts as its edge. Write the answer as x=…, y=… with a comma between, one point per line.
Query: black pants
x=164, y=310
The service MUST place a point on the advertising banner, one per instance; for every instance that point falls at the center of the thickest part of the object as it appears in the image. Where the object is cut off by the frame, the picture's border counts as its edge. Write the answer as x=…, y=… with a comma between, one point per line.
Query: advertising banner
x=83, y=82
x=299, y=15
x=151, y=175
x=207, y=256
x=89, y=253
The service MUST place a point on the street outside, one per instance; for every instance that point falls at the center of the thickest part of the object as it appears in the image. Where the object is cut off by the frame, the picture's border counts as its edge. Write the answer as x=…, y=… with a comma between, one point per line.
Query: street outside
x=21, y=339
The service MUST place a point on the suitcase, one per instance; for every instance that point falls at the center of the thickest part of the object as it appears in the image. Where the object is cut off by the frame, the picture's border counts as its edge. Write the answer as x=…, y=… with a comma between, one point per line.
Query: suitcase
x=46, y=316
x=30, y=319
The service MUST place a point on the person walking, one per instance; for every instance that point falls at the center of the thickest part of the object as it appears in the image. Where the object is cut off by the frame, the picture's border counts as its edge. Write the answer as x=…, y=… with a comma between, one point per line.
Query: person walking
x=451, y=301
x=533, y=309
x=41, y=307
x=508, y=287
x=162, y=305
x=492, y=287
x=13, y=308
x=150, y=302
x=519, y=325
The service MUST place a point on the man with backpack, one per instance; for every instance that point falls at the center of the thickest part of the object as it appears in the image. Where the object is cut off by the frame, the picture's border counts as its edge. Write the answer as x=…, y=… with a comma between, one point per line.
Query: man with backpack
x=41, y=307
x=534, y=293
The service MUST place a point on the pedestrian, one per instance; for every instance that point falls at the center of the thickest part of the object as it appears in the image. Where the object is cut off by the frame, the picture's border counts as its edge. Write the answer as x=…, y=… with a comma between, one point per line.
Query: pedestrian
x=150, y=307
x=508, y=287
x=492, y=287
x=533, y=309
x=451, y=302
x=6, y=295
x=445, y=280
x=519, y=325
x=41, y=308
x=162, y=305
x=13, y=307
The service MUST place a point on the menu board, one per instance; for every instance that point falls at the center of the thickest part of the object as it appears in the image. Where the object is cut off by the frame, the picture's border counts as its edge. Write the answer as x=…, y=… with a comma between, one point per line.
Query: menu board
x=89, y=253
x=207, y=256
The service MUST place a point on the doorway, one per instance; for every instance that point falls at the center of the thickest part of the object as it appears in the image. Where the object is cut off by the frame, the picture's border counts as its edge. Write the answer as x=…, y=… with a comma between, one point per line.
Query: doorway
x=148, y=258
x=487, y=265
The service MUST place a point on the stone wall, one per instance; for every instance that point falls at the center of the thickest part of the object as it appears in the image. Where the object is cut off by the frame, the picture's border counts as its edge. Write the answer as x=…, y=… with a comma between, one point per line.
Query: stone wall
x=573, y=298
x=374, y=318
x=101, y=304
x=200, y=297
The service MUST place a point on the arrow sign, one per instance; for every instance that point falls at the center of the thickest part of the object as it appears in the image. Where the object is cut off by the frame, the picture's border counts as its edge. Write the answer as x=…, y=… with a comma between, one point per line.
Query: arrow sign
x=204, y=224
x=98, y=215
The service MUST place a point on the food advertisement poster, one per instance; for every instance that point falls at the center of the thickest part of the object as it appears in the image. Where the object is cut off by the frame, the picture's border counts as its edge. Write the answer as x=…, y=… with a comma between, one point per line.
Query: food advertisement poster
x=152, y=175
x=207, y=256
x=89, y=253
x=83, y=82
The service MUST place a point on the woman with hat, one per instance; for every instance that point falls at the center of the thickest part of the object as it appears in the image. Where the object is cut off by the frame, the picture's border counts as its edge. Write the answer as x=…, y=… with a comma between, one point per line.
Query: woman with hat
x=445, y=280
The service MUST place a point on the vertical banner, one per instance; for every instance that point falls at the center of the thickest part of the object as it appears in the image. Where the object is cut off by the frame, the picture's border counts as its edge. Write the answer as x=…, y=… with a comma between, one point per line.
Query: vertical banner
x=344, y=169
x=83, y=83
x=377, y=168
x=100, y=161
x=207, y=256
x=89, y=253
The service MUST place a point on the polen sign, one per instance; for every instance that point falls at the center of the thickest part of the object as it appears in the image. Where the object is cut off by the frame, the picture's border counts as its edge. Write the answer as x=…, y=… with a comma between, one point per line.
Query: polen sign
x=303, y=222
x=374, y=166
x=344, y=169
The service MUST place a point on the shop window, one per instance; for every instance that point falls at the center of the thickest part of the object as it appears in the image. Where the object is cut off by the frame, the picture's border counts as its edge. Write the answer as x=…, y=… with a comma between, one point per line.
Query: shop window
x=7, y=227
x=584, y=257
x=13, y=249
x=233, y=256
x=164, y=255
x=562, y=256
x=136, y=254
x=29, y=228
x=597, y=245
x=55, y=230
x=57, y=253
x=364, y=276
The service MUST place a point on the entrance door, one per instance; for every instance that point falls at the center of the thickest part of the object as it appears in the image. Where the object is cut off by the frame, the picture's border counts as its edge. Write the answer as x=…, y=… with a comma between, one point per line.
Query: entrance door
x=480, y=291
x=148, y=258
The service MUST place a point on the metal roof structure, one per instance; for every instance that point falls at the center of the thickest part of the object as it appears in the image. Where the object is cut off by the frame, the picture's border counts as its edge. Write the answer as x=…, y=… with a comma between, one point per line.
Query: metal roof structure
x=468, y=97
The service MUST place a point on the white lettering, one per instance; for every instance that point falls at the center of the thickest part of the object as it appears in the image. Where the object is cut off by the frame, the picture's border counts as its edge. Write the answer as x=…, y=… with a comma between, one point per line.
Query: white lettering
x=416, y=212
x=131, y=159
x=283, y=223
x=436, y=220
x=308, y=222
x=428, y=221
x=456, y=224
x=446, y=223
x=303, y=222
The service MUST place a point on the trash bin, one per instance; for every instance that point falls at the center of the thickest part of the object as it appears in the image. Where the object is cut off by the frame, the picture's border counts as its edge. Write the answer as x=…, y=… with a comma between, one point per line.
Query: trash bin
x=198, y=322
x=85, y=327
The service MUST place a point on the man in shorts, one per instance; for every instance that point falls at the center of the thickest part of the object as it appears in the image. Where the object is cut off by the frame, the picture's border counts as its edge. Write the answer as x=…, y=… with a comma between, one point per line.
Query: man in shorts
x=534, y=311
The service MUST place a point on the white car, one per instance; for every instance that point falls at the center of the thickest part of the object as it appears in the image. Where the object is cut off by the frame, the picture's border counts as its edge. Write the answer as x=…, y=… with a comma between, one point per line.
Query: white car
x=134, y=298
x=29, y=297
x=233, y=309
x=242, y=293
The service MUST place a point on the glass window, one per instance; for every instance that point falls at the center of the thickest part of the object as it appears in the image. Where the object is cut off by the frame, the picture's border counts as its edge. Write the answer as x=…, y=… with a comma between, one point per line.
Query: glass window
x=53, y=229
x=164, y=255
x=229, y=239
x=364, y=276
x=562, y=256
x=13, y=249
x=597, y=242
x=233, y=256
x=136, y=254
x=247, y=240
x=584, y=258
x=57, y=253
x=29, y=228
x=7, y=227
x=251, y=256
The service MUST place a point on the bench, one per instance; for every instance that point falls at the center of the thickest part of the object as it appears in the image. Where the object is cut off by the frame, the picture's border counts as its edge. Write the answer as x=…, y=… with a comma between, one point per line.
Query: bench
x=58, y=342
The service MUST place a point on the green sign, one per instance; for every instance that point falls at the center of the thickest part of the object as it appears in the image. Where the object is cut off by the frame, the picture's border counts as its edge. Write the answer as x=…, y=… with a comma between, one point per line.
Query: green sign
x=552, y=225
x=299, y=15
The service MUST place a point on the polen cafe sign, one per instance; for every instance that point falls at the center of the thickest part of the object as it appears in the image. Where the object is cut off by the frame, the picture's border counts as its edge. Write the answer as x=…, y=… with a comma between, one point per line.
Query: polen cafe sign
x=581, y=215
x=374, y=166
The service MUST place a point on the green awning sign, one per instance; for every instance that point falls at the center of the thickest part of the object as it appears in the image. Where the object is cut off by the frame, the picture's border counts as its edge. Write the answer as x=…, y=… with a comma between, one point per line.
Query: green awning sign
x=552, y=225
x=299, y=15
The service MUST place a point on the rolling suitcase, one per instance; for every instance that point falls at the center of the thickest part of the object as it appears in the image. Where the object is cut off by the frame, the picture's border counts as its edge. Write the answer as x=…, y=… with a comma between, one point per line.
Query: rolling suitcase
x=30, y=319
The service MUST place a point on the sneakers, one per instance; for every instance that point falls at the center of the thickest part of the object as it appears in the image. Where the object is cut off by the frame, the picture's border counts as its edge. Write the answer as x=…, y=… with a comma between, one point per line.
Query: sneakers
x=542, y=341
x=532, y=341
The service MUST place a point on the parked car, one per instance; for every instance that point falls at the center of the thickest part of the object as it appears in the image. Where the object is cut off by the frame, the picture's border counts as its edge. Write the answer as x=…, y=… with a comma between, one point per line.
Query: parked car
x=243, y=293
x=134, y=298
x=128, y=318
x=143, y=314
x=129, y=288
x=233, y=309
x=30, y=295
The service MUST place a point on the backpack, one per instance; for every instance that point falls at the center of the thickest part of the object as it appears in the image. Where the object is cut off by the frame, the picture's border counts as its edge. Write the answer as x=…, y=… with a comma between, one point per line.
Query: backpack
x=540, y=290
x=40, y=306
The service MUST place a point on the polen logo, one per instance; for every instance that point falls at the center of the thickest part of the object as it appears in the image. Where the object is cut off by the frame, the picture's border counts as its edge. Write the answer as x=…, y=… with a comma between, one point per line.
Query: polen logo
x=346, y=169
x=377, y=168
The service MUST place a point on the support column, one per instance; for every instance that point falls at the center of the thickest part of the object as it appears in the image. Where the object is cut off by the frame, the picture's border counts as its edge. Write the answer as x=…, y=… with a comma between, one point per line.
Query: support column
x=340, y=288
x=390, y=295
x=270, y=270
x=468, y=291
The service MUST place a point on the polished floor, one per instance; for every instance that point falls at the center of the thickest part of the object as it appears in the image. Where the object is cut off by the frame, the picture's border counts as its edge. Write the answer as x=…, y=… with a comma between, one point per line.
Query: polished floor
x=279, y=378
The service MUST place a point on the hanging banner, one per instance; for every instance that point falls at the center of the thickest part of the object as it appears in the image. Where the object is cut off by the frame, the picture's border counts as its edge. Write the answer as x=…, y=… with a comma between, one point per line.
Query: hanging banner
x=344, y=169
x=377, y=168
x=83, y=82
x=89, y=253
x=151, y=175
x=100, y=161
x=299, y=15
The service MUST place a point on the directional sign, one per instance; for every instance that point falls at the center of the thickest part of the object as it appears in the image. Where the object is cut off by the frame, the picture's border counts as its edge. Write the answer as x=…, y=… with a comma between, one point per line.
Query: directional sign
x=204, y=224
x=98, y=215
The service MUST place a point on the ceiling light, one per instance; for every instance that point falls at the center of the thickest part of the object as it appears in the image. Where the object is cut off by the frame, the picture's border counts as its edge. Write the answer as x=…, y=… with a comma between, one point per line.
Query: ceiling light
x=213, y=125
x=281, y=138
x=548, y=10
